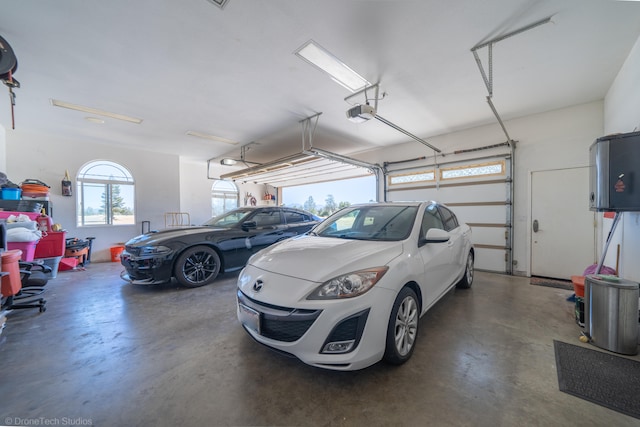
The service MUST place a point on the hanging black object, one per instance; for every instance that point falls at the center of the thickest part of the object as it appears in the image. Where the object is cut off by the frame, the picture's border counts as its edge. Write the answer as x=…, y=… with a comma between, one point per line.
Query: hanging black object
x=66, y=184
x=8, y=66
x=8, y=60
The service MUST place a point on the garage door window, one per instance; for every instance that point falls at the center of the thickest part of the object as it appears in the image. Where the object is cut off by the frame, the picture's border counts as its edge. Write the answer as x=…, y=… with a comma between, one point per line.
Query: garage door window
x=412, y=178
x=470, y=171
x=105, y=194
x=224, y=197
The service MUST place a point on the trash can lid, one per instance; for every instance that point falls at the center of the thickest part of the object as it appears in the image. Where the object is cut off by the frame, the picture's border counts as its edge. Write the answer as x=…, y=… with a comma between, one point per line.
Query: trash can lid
x=614, y=281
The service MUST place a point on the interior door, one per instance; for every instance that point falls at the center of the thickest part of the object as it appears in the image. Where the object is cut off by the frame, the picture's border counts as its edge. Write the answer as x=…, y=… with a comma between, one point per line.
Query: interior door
x=562, y=226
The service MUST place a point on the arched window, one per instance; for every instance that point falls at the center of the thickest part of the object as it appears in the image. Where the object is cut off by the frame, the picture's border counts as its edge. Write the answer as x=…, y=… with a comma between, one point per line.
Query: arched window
x=224, y=197
x=106, y=193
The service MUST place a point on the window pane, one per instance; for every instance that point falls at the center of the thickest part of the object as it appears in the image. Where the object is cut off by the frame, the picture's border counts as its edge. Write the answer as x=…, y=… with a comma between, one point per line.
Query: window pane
x=268, y=218
x=292, y=217
x=431, y=219
x=412, y=177
x=92, y=209
x=224, y=197
x=106, y=194
x=105, y=171
x=473, y=170
x=450, y=221
x=122, y=199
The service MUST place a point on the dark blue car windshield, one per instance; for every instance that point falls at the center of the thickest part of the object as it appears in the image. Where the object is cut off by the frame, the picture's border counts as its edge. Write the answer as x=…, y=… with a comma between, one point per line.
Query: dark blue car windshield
x=229, y=219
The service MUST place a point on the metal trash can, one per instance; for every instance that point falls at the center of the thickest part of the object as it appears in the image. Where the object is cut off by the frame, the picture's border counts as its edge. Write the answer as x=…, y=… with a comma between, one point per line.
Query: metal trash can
x=611, y=313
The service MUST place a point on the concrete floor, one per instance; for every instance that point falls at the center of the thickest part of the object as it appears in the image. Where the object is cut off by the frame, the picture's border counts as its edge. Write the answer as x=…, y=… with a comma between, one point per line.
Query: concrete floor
x=110, y=354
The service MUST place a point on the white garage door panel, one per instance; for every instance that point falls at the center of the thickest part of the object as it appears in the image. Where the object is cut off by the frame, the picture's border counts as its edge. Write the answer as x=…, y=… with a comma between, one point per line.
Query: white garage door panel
x=488, y=236
x=472, y=193
x=455, y=194
x=486, y=259
x=481, y=214
x=478, y=201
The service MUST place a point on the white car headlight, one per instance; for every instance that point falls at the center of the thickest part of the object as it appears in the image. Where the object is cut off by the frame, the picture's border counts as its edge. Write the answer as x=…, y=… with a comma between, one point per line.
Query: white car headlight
x=349, y=285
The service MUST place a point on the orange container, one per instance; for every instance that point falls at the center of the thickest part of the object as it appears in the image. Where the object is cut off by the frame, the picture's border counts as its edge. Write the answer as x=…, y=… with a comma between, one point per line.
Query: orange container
x=115, y=253
x=11, y=283
x=578, y=285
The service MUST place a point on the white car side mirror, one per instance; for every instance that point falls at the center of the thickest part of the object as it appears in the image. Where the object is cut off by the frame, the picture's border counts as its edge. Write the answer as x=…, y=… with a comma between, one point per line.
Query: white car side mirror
x=436, y=235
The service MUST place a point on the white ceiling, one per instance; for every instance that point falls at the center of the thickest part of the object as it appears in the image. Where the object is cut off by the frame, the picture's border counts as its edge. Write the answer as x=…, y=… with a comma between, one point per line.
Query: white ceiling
x=190, y=65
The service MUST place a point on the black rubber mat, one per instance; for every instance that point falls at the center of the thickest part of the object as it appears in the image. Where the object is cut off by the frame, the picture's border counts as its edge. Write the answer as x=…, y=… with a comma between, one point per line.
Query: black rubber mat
x=599, y=377
x=551, y=283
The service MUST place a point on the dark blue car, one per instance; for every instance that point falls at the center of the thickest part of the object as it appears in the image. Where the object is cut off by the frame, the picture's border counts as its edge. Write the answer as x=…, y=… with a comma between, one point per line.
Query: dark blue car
x=196, y=255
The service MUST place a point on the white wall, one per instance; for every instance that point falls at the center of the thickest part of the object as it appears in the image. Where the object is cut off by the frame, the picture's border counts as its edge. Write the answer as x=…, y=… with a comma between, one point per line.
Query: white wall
x=46, y=158
x=546, y=141
x=195, y=190
x=622, y=114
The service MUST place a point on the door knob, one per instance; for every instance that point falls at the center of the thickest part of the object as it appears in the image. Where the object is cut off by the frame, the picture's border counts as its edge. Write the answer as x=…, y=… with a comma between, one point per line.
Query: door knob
x=535, y=225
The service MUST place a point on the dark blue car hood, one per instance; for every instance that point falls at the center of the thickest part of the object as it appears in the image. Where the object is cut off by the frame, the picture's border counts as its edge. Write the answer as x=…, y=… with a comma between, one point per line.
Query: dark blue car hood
x=158, y=237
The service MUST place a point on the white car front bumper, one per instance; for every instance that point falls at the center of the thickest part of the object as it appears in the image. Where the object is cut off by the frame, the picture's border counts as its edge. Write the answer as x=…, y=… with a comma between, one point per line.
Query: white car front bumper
x=278, y=315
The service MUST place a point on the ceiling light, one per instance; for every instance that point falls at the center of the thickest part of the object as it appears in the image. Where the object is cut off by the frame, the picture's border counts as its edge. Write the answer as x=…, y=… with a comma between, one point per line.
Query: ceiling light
x=228, y=162
x=90, y=110
x=361, y=113
x=322, y=59
x=211, y=137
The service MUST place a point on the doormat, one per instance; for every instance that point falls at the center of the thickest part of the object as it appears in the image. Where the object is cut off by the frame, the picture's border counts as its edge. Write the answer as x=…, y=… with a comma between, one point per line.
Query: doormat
x=601, y=378
x=552, y=283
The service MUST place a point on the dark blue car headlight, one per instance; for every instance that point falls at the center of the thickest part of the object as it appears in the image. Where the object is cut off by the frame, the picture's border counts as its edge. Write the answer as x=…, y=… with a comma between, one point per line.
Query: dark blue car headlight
x=154, y=250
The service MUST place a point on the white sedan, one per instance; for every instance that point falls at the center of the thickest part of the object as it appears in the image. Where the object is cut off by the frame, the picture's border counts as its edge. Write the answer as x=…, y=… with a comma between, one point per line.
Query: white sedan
x=351, y=291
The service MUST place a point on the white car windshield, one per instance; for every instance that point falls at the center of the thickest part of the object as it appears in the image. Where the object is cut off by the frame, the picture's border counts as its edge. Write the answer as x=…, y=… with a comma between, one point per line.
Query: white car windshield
x=369, y=223
x=228, y=219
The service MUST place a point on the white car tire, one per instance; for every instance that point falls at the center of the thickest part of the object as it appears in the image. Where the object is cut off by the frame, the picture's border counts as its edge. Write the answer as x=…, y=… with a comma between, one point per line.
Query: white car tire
x=402, y=331
x=467, y=278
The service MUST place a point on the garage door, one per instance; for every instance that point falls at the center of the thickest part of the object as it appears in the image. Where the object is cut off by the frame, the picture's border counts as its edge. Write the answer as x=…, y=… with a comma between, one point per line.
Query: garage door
x=478, y=191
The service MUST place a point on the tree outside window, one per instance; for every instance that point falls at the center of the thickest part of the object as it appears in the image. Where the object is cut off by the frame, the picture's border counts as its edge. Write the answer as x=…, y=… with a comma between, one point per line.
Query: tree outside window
x=106, y=193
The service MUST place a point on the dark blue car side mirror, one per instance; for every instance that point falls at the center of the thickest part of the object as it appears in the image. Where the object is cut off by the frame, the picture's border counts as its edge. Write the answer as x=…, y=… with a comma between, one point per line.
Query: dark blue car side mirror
x=247, y=225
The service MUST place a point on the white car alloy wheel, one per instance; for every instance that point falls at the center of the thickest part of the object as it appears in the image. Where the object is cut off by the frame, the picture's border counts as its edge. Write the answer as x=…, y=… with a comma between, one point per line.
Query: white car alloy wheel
x=403, y=327
x=467, y=279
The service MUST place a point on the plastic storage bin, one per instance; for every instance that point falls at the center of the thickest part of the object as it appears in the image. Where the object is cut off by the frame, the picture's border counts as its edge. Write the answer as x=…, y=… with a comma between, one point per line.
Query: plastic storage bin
x=28, y=249
x=53, y=262
x=578, y=288
x=11, y=193
x=51, y=245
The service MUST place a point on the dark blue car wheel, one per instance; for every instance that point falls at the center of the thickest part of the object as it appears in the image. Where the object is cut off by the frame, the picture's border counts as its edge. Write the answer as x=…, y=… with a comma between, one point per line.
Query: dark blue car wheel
x=197, y=266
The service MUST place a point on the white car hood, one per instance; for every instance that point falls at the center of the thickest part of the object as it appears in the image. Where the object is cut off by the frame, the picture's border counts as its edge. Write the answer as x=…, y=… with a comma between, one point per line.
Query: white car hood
x=318, y=259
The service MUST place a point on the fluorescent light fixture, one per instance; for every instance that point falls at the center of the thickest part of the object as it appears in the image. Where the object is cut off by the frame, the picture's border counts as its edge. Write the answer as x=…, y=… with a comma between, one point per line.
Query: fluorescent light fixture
x=228, y=162
x=211, y=137
x=95, y=111
x=322, y=59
